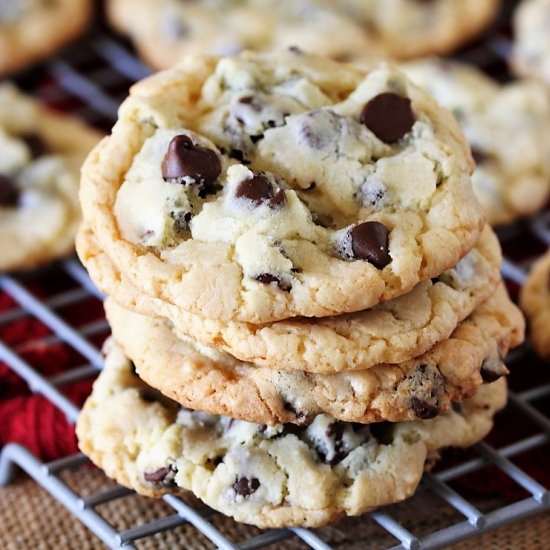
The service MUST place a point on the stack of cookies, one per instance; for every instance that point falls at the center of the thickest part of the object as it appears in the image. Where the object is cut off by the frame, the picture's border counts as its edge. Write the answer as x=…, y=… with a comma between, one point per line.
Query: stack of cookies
x=305, y=300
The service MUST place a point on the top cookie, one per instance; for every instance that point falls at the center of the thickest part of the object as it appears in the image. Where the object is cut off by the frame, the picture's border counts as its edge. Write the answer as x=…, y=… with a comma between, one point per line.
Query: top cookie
x=535, y=301
x=166, y=31
x=262, y=187
x=40, y=157
x=531, y=53
x=32, y=29
x=508, y=127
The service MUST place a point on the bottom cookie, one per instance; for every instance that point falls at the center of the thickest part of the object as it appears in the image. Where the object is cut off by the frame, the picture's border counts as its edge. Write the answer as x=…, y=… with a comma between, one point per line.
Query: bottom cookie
x=283, y=475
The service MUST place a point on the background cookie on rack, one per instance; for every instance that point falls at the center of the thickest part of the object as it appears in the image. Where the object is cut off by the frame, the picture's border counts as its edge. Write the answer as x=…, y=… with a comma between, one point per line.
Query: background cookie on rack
x=164, y=31
x=508, y=128
x=31, y=30
x=40, y=159
x=266, y=476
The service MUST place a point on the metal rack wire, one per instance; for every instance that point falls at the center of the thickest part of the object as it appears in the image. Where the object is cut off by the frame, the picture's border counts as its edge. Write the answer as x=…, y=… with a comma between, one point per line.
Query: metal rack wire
x=90, y=80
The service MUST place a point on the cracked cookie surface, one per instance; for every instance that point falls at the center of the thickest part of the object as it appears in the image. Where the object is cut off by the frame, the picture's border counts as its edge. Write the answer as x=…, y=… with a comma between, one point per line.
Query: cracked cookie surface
x=32, y=29
x=165, y=31
x=535, y=302
x=214, y=381
x=393, y=332
x=508, y=128
x=40, y=158
x=267, y=476
x=257, y=188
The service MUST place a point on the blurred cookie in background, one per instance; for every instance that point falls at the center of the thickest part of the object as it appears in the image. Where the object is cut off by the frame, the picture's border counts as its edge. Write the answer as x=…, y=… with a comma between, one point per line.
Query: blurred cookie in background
x=40, y=157
x=508, y=128
x=164, y=31
x=32, y=29
x=531, y=53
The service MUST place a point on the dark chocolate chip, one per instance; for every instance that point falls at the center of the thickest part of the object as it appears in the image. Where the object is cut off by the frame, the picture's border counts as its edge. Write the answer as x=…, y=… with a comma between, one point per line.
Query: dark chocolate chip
x=336, y=430
x=158, y=476
x=423, y=409
x=388, y=116
x=322, y=220
x=489, y=373
x=182, y=220
x=382, y=432
x=237, y=154
x=245, y=486
x=259, y=190
x=37, y=146
x=369, y=241
x=479, y=156
x=302, y=419
x=9, y=194
x=184, y=159
x=267, y=279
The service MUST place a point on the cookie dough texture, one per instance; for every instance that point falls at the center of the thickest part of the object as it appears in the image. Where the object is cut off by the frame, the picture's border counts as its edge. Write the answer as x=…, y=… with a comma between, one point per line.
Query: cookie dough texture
x=531, y=53
x=166, y=31
x=393, y=332
x=266, y=476
x=32, y=29
x=294, y=122
x=201, y=377
x=508, y=128
x=40, y=157
x=535, y=302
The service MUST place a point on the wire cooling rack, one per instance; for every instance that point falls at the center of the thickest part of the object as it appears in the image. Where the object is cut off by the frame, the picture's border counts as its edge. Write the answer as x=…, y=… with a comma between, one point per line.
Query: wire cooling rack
x=90, y=80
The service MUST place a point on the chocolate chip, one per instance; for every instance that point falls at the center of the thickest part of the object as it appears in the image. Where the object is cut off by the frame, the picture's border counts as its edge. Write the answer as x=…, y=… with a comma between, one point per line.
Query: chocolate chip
x=9, y=194
x=302, y=419
x=158, y=476
x=382, y=432
x=185, y=160
x=491, y=370
x=259, y=190
x=369, y=241
x=182, y=220
x=322, y=220
x=479, y=156
x=245, y=486
x=37, y=146
x=336, y=430
x=237, y=154
x=267, y=279
x=388, y=116
x=423, y=409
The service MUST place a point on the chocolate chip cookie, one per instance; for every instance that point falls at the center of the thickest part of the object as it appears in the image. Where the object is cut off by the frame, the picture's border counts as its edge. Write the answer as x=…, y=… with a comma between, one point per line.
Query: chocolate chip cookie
x=166, y=31
x=32, y=29
x=531, y=53
x=211, y=380
x=508, y=127
x=535, y=301
x=270, y=476
x=262, y=187
x=393, y=332
x=40, y=158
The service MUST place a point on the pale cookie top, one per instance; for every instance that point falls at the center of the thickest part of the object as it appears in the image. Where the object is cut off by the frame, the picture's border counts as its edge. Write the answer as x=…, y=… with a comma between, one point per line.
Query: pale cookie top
x=32, y=29
x=395, y=331
x=210, y=380
x=531, y=53
x=40, y=158
x=258, y=188
x=508, y=128
x=165, y=31
x=535, y=301
x=267, y=476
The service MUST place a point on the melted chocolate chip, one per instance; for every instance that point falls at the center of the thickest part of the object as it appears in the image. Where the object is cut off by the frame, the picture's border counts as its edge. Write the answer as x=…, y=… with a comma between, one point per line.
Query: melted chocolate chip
x=158, y=476
x=423, y=409
x=37, y=146
x=245, y=486
x=9, y=194
x=184, y=160
x=259, y=190
x=489, y=373
x=369, y=241
x=267, y=279
x=388, y=116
